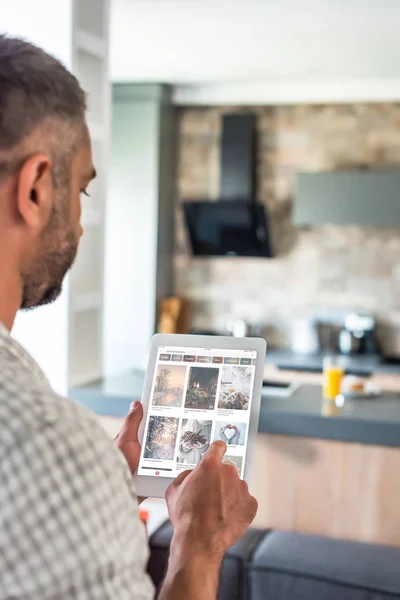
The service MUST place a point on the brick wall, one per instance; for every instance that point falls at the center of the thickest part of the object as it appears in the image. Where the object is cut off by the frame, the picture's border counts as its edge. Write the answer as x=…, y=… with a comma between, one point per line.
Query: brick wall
x=328, y=267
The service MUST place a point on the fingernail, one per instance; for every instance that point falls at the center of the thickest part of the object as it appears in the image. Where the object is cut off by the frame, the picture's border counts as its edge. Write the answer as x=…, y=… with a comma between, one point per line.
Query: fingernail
x=134, y=404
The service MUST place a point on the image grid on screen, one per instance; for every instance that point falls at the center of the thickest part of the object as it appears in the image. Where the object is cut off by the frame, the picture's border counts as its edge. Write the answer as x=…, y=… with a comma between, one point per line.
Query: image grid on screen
x=198, y=396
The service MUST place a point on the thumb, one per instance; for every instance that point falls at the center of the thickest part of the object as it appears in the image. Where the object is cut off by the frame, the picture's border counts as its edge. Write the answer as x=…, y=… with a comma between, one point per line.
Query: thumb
x=131, y=423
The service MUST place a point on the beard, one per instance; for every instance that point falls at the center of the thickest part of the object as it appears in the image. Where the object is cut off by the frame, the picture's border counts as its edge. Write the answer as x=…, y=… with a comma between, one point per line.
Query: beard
x=43, y=280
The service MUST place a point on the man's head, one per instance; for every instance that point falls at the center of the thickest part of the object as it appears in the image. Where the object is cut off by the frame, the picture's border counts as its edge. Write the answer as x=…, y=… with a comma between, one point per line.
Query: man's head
x=45, y=164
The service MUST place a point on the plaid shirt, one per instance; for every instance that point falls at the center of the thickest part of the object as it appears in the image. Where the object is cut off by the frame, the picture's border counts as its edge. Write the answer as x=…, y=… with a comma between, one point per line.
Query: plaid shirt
x=69, y=525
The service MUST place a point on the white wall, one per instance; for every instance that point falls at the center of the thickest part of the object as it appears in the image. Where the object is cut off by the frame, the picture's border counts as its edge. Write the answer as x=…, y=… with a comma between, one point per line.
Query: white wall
x=43, y=22
x=290, y=92
x=44, y=332
x=131, y=228
x=256, y=52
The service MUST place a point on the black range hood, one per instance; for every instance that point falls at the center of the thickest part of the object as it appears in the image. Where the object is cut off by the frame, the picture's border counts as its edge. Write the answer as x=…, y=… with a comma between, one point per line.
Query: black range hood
x=235, y=224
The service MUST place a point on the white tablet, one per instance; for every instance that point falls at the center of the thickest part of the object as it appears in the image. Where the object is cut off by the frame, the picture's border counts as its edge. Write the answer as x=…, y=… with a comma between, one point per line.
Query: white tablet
x=198, y=389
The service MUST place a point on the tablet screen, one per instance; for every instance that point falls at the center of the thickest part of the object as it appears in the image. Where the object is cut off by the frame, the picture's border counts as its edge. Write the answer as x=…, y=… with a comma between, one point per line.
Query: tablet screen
x=198, y=396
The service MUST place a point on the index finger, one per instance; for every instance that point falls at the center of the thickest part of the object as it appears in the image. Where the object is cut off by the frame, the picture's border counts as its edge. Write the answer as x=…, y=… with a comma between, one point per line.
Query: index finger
x=216, y=450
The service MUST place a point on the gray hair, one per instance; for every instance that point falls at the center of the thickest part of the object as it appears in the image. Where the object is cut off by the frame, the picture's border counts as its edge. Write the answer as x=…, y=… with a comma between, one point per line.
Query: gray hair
x=36, y=91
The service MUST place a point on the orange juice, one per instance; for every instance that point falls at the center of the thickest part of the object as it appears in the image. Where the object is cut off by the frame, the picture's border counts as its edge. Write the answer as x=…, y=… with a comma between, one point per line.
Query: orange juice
x=333, y=375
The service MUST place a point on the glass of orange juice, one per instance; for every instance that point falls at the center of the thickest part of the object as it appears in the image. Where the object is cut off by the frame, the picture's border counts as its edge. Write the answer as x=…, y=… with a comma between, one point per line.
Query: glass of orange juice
x=333, y=374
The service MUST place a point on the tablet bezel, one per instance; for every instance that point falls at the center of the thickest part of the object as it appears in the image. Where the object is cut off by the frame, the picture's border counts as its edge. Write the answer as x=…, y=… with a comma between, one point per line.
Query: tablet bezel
x=155, y=487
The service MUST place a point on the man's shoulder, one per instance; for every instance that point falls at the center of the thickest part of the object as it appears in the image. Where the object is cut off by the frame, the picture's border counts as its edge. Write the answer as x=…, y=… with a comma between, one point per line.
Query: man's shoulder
x=67, y=500
x=29, y=405
x=34, y=419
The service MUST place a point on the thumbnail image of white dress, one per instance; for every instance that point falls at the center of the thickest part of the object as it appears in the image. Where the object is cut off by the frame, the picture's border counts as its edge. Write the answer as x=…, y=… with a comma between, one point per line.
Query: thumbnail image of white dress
x=194, y=441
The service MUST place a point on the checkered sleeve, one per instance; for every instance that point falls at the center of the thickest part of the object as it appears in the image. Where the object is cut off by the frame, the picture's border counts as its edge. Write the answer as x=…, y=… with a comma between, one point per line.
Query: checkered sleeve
x=69, y=517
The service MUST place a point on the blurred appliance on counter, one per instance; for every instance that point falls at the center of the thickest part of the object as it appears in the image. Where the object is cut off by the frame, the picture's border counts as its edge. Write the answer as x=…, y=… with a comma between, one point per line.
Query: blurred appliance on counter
x=359, y=335
x=240, y=328
x=196, y=331
x=305, y=338
x=389, y=338
x=349, y=344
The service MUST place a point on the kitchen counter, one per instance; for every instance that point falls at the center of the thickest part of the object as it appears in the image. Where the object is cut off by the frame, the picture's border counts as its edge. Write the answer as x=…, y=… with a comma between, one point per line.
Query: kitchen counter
x=113, y=396
x=358, y=364
x=373, y=421
x=312, y=455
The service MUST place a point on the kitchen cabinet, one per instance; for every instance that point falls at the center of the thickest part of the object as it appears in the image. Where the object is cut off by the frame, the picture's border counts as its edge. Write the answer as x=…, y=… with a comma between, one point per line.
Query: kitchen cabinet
x=329, y=488
x=368, y=199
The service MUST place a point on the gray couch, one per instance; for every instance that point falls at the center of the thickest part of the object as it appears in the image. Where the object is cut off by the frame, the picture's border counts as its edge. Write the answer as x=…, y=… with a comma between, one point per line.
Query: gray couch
x=290, y=566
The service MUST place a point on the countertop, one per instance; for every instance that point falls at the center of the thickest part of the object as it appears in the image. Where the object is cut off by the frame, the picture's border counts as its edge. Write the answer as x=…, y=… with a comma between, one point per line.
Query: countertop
x=371, y=421
x=362, y=364
x=374, y=420
x=113, y=396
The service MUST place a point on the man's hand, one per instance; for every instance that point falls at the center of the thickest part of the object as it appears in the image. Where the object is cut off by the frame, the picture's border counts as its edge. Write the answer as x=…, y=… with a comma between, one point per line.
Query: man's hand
x=211, y=504
x=210, y=509
x=127, y=439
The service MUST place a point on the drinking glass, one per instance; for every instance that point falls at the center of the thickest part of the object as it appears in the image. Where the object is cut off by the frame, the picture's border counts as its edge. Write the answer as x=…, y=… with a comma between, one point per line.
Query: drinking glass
x=333, y=373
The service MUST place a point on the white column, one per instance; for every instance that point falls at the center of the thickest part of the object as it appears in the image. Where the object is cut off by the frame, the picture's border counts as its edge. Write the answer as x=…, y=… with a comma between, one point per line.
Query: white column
x=131, y=231
x=87, y=278
x=140, y=221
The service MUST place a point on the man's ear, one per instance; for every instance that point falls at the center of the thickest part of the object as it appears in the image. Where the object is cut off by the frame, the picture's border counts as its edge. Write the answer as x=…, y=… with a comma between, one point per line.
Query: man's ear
x=35, y=191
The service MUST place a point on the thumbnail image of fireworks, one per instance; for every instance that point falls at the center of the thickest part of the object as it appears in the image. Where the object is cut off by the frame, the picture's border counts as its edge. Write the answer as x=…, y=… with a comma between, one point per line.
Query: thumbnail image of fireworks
x=161, y=438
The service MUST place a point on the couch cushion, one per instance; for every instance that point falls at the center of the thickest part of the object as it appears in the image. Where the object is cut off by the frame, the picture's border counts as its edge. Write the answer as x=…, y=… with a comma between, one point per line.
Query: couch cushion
x=233, y=580
x=159, y=552
x=233, y=584
x=302, y=567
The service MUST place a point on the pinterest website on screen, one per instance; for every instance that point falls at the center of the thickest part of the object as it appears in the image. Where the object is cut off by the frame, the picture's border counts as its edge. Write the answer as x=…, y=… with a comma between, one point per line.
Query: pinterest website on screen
x=198, y=396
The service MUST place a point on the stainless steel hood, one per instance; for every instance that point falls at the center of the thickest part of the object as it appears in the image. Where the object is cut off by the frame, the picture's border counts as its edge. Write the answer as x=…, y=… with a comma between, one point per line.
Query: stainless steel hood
x=369, y=199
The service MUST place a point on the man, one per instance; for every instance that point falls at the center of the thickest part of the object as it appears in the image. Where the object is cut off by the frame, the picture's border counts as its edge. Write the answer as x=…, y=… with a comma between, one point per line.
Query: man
x=69, y=524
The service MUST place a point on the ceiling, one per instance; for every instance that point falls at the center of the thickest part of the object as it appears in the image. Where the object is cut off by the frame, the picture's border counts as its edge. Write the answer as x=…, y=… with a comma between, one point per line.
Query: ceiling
x=237, y=43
